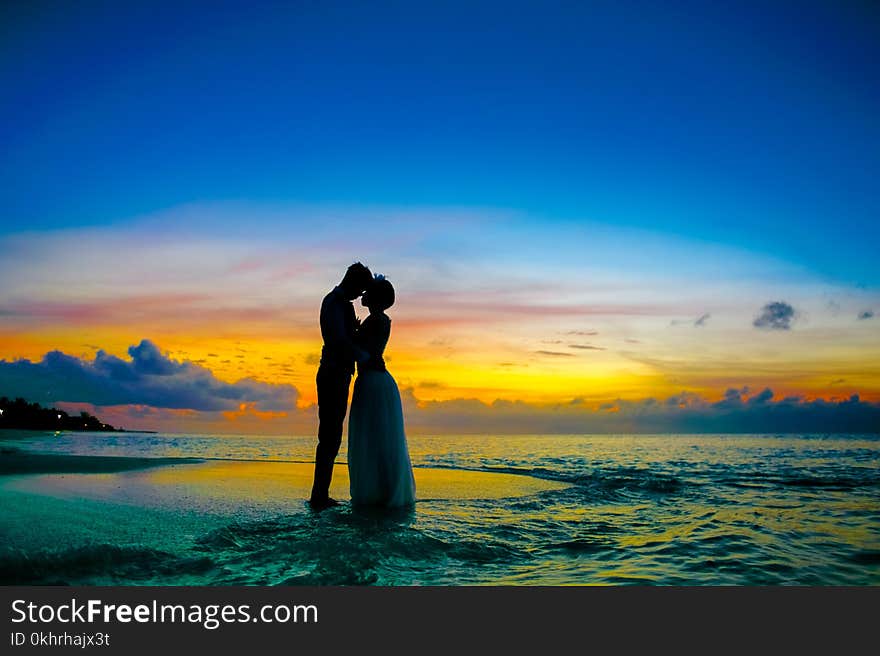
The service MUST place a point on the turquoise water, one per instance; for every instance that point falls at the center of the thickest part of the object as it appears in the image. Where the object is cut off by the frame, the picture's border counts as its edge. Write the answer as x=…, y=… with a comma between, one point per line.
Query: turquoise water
x=670, y=509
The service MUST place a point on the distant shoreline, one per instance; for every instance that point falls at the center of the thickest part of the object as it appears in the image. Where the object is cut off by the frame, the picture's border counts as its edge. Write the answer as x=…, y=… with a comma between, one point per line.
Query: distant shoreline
x=19, y=414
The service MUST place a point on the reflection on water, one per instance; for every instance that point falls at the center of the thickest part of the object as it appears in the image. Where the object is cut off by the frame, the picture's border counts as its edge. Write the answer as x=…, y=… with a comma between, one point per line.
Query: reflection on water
x=679, y=509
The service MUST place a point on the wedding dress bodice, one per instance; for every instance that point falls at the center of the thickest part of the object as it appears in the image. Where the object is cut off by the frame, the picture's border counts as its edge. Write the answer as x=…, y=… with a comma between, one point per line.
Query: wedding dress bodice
x=373, y=337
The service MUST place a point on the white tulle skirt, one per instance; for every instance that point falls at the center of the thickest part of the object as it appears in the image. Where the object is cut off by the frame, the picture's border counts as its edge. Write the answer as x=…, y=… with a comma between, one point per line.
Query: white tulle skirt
x=379, y=466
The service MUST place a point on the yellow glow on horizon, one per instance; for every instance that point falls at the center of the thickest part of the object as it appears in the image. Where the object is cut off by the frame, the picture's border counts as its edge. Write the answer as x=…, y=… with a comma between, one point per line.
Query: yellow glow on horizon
x=488, y=366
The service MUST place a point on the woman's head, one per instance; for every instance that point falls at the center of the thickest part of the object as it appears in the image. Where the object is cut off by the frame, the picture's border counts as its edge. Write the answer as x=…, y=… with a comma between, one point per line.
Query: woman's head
x=379, y=295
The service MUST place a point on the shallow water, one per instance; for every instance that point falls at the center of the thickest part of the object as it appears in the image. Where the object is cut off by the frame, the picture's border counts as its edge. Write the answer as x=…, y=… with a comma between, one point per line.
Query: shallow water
x=670, y=509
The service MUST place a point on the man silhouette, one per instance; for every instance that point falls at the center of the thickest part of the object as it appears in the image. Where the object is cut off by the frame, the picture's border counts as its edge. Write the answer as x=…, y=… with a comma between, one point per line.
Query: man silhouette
x=339, y=326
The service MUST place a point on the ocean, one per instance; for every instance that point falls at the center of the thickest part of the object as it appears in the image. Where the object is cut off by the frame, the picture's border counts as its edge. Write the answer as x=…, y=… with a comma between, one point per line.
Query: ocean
x=494, y=509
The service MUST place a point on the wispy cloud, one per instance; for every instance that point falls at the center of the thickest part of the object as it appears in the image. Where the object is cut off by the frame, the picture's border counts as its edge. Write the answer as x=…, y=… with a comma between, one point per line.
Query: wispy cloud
x=699, y=322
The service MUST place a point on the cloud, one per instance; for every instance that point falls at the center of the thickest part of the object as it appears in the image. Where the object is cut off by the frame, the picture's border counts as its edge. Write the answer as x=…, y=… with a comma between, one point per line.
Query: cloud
x=699, y=322
x=763, y=396
x=867, y=314
x=685, y=412
x=740, y=410
x=733, y=396
x=777, y=315
x=557, y=354
x=586, y=347
x=149, y=378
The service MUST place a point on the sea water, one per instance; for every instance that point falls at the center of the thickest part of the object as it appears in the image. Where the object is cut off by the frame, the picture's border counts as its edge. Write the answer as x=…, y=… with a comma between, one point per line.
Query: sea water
x=646, y=509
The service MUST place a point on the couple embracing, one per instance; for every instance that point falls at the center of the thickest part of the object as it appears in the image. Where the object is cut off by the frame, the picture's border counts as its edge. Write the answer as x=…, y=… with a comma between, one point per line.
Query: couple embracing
x=379, y=466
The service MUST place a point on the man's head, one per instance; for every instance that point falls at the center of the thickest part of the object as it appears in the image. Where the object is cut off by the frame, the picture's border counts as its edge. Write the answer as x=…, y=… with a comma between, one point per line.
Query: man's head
x=357, y=278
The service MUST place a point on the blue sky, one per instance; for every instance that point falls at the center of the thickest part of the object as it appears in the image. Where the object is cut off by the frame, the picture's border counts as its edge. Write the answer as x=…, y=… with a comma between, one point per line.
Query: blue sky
x=749, y=126
x=597, y=205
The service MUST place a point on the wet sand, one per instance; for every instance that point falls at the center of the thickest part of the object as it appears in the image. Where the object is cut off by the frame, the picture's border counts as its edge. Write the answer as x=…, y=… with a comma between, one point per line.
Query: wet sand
x=15, y=461
x=57, y=520
x=227, y=487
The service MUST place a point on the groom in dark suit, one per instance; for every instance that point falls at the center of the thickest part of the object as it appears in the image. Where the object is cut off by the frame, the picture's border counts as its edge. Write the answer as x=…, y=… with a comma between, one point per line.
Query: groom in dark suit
x=339, y=326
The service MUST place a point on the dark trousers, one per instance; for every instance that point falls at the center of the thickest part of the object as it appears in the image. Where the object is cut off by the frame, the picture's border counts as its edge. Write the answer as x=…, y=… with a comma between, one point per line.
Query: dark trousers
x=333, y=385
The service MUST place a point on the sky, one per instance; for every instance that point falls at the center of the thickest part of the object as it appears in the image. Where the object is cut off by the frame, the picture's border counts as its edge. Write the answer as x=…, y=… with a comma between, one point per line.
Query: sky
x=597, y=216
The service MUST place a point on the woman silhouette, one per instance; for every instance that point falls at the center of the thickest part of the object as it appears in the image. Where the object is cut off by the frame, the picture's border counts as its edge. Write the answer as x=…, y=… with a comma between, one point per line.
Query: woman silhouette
x=379, y=465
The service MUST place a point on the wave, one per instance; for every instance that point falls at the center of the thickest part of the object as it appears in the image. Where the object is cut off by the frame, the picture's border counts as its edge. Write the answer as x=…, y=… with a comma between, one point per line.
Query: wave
x=833, y=480
x=17, y=461
x=610, y=482
x=344, y=548
x=607, y=480
x=97, y=564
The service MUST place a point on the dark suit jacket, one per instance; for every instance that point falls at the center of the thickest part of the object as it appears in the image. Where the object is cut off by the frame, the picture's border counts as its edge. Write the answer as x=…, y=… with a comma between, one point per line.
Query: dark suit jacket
x=339, y=329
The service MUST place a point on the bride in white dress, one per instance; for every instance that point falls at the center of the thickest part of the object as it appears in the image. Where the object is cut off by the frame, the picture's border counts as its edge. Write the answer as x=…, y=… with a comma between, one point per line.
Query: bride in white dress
x=379, y=466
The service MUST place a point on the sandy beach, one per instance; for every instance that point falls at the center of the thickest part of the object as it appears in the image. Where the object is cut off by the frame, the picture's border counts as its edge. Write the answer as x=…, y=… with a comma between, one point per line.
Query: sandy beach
x=225, y=486
x=63, y=513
